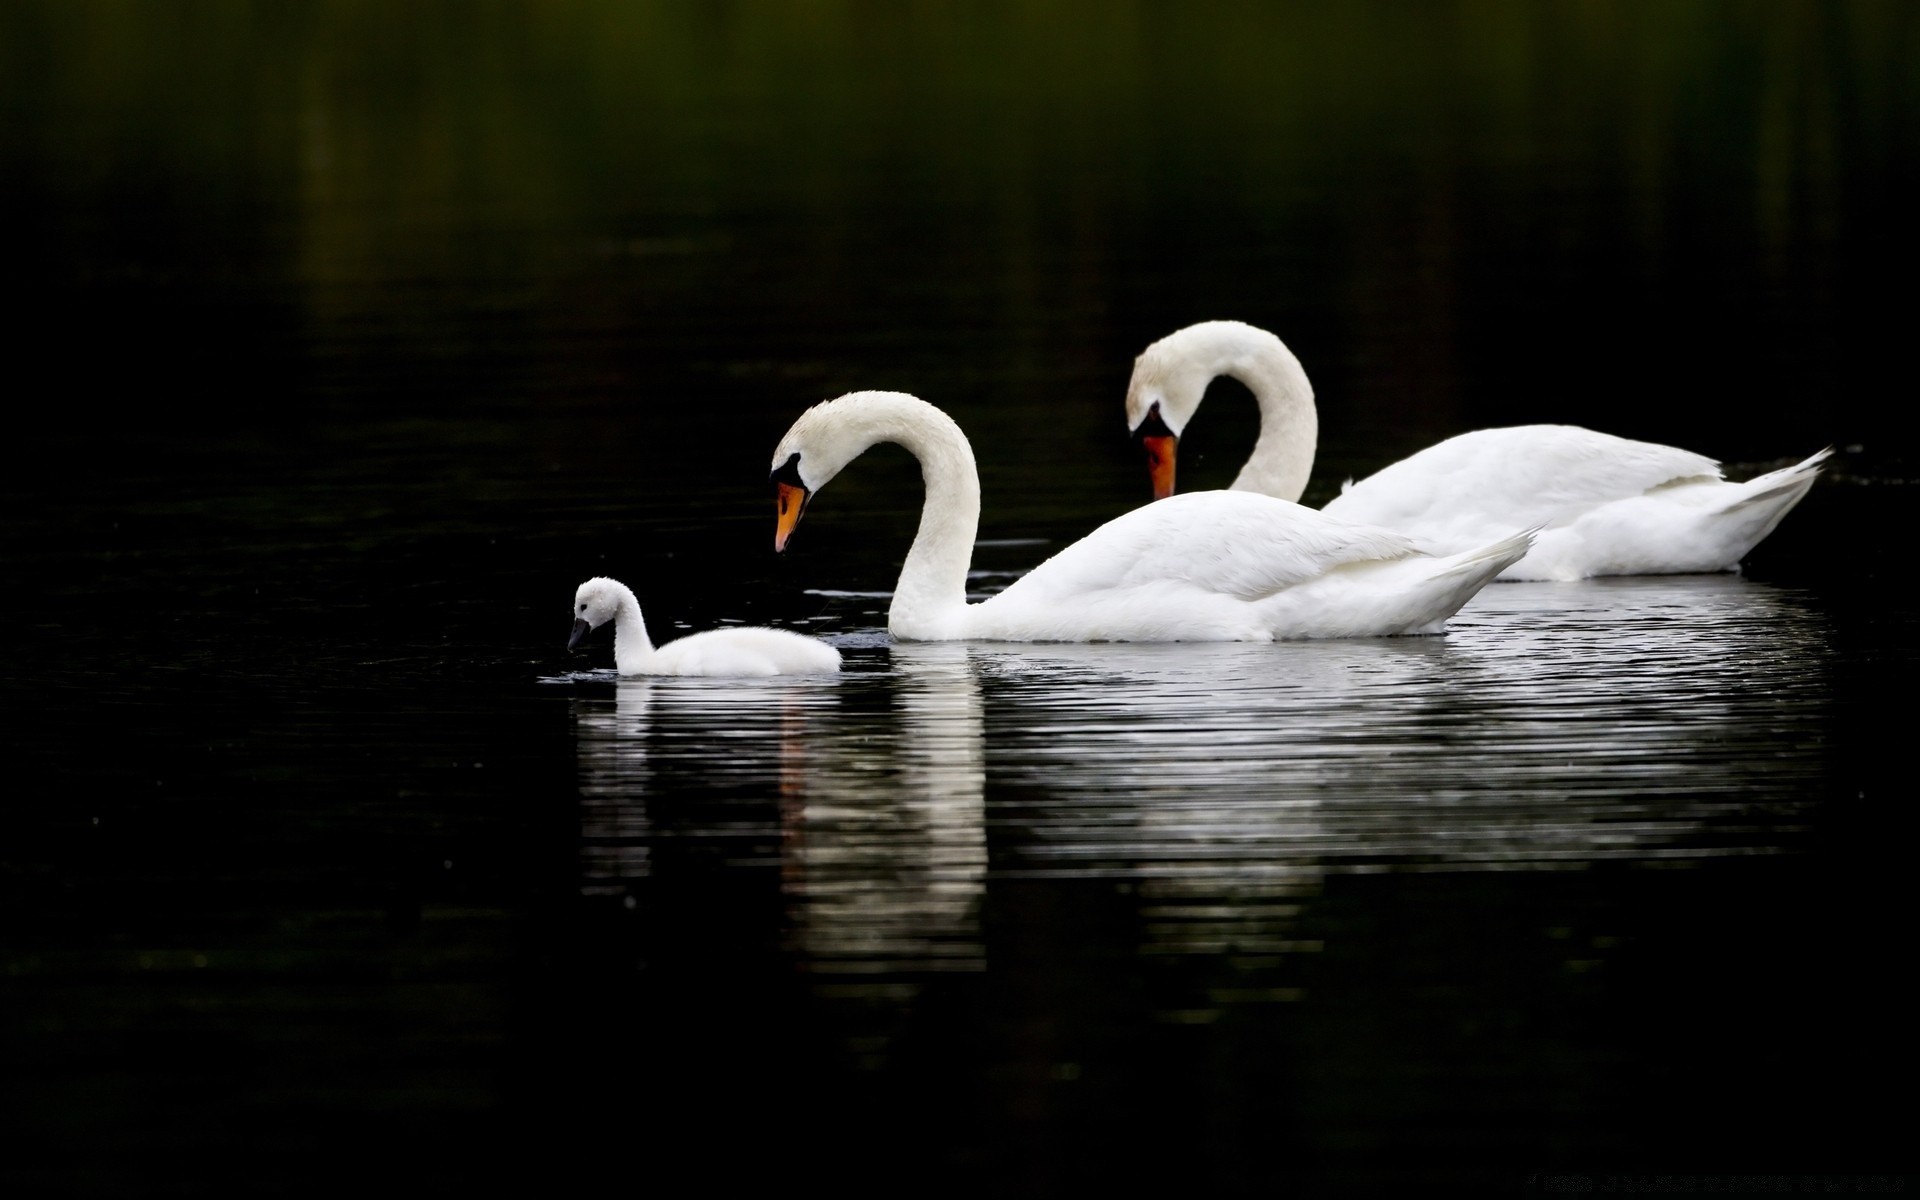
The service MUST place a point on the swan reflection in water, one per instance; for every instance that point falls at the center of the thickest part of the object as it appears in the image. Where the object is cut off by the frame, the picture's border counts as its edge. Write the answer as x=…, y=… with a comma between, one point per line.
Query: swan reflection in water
x=1555, y=724
x=1654, y=720
x=882, y=839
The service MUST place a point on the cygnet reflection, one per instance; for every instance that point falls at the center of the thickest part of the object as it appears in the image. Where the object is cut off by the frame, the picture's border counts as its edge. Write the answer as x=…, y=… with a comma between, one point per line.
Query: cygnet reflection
x=877, y=781
x=610, y=739
x=710, y=753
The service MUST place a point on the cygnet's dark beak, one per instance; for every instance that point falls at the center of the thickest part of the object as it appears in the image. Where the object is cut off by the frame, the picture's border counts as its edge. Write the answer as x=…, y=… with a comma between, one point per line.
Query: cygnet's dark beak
x=580, y=629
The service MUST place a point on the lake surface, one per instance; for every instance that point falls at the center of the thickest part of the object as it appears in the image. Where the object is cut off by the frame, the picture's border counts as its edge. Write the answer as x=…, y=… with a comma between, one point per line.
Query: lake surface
x=353, y=339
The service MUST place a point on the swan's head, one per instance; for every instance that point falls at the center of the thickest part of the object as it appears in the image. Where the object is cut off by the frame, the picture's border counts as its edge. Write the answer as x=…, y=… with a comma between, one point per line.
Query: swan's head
x=826, y=438
x=594, y=604
x=1171, y=376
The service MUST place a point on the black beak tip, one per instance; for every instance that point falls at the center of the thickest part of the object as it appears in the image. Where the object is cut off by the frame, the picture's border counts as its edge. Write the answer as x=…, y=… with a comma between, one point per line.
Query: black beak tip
x=579, y=631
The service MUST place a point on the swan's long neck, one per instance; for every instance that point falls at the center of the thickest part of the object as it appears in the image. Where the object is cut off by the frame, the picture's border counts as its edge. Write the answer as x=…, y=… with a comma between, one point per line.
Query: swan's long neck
x=931, y=597
x=930, y=601
x=1282, y=457
x=632, y=648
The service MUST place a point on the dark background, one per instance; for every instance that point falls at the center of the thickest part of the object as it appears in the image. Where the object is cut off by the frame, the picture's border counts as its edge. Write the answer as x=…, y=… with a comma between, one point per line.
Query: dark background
x=274, y=227
x=346, y=338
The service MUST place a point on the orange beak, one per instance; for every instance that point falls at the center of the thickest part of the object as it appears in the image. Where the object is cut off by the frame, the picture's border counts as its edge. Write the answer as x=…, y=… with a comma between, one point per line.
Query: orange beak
x=1160, y=463
x=792, y=502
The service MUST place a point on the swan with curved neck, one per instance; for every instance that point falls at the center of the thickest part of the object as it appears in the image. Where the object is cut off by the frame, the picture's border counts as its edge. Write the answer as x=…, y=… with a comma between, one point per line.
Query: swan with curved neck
x=747, y=650
x=1605, y=505
x=1207, y=566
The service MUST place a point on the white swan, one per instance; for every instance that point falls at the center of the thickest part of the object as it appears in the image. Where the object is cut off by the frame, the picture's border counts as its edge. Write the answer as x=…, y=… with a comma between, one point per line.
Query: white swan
x=1606, y=505
x=1207, y=566
x=747, y=650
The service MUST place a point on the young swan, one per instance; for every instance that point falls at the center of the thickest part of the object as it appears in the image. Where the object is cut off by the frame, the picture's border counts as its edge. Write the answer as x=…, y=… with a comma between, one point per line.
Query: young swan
x=748, y=650
x=1605, y=505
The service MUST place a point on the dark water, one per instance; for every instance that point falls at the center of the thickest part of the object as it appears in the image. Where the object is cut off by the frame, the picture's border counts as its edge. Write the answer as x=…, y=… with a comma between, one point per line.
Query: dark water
x=350, y=338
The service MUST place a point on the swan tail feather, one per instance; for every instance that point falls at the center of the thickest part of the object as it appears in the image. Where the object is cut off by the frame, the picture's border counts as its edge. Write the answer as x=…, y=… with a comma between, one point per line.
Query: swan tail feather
x=1490, y=560
x=1785, y=486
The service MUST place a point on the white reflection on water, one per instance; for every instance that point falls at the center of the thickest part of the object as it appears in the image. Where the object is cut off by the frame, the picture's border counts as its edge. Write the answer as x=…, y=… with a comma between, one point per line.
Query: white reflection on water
x=882, y=835
x=1556, y=724
x=885, y=858
x=615, y=776
x=1660, y=721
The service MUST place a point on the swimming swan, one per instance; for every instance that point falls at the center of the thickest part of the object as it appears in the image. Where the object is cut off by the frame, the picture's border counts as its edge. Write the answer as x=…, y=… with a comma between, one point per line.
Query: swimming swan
x=1606, y=505
x=1206, y=566
x=747, y=650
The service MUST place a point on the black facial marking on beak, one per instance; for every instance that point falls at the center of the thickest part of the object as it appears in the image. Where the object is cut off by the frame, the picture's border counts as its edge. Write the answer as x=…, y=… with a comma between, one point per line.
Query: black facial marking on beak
x=1152, y=425
x=789, y=472
x=580, y=629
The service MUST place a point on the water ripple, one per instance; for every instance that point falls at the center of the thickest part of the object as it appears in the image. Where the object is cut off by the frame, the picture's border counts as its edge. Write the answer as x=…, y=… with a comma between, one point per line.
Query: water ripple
x=1652, y=721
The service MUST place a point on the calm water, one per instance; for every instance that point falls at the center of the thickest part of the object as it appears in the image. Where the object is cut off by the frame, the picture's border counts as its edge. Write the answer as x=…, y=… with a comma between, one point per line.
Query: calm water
x=354, y=339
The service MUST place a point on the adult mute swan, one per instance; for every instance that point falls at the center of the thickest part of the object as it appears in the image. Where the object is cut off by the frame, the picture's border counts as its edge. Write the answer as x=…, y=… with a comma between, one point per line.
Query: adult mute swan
x=746, y=650
x=1206, y=566
x=1605, y=505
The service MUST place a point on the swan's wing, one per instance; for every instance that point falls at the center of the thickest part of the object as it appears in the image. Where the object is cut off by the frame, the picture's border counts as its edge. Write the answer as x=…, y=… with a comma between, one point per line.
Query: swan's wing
x=1221, y=543
x=1520, y=476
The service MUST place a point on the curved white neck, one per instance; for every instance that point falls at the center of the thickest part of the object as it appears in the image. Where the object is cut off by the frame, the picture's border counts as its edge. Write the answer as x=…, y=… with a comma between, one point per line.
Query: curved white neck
x=1282, y=458
x=930, y=601
x=632, y=648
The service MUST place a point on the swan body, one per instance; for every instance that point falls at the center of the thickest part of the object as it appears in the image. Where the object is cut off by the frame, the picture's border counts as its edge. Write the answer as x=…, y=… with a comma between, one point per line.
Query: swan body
x=744, y=651
x=1605, y=505
x=1206, y=566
